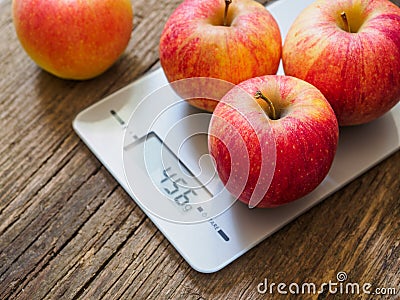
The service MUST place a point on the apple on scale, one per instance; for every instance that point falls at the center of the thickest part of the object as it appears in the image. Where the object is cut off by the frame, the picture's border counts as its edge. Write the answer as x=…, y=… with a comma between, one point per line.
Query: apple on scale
x=228, y=40
x=350, y=51
x=273, y=139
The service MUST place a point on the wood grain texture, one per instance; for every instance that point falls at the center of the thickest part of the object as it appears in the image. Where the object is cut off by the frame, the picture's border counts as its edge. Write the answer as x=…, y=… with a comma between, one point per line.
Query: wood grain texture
x=69, y=231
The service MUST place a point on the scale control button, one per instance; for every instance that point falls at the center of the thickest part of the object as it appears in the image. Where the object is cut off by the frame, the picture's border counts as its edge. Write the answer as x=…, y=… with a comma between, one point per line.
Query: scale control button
x=223, y=235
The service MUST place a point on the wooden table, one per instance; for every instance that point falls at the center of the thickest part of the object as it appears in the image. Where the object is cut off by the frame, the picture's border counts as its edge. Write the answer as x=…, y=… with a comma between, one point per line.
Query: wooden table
x=68, y=230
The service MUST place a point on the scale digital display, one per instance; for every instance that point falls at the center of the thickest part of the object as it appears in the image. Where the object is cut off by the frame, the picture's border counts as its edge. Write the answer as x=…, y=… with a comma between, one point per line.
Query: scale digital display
x=165, y=185
x=174, y=193
x=171, y=176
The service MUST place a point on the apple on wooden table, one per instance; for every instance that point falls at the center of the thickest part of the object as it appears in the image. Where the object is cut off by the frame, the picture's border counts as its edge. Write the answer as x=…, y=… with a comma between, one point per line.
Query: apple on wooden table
x=75, y=39
x=228, y=40
x=350, y=51
x=283, y=112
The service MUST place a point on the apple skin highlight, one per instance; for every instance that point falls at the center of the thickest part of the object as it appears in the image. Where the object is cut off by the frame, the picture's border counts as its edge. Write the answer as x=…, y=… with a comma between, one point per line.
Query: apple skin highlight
x=195, y=43
x=357, y=71
x=305, y=137
x=73, y=39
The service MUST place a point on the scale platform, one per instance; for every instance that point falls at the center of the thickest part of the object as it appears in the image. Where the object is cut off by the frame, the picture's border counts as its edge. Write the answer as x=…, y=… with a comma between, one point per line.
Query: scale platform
x=155, y=145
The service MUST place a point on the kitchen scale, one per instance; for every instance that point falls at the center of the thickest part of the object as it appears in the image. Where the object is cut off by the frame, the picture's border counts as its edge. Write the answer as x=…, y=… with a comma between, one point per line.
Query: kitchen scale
x=155, y=145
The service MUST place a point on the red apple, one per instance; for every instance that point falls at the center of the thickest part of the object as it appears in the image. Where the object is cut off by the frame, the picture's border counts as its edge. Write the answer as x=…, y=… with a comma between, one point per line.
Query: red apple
x=73, y=39
x=288, y=133
x=350, y=51
x=218, y=39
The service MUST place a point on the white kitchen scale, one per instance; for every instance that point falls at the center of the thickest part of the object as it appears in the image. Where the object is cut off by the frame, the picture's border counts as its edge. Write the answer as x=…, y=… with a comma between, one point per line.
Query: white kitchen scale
x=159, y=156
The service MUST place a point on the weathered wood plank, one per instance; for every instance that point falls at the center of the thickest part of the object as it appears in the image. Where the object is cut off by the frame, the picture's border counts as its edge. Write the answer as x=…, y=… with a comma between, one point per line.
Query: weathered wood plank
x=68, y=231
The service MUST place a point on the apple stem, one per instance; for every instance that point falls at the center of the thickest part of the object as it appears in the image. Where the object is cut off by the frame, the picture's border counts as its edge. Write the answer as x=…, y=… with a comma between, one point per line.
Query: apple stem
x=227, y=2
x=346, y=22
x=258, y=95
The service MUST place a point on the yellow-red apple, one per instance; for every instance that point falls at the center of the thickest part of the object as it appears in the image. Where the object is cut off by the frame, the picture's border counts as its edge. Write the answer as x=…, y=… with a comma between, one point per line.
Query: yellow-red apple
x=273, y=139
x=229, y=40
x=350, y=51
x=73, y=39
